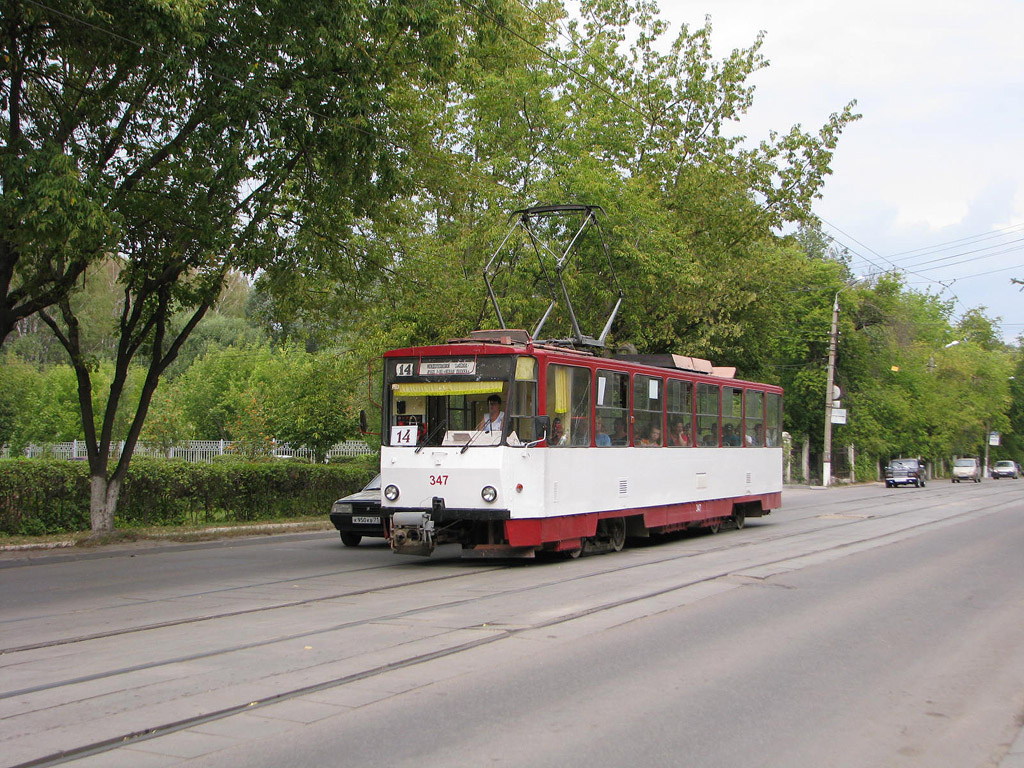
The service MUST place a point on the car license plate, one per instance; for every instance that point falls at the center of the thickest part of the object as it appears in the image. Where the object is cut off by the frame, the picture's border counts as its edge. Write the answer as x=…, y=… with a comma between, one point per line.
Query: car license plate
x=365, y=520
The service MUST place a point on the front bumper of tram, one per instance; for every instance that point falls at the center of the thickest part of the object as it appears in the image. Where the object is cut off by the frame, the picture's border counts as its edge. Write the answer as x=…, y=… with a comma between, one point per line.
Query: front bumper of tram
x=447, y=496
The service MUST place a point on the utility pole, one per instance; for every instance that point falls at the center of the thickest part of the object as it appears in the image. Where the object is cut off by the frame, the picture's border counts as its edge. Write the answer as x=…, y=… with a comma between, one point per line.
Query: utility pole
x=984, y=469
x=826, y=463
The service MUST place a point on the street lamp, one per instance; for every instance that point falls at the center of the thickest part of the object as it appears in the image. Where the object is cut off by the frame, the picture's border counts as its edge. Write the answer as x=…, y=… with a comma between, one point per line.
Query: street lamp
x=826, y=463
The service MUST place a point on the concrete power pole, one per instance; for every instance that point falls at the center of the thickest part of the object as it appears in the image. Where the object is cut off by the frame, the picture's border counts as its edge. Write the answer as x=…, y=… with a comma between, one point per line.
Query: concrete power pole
x=826, y=463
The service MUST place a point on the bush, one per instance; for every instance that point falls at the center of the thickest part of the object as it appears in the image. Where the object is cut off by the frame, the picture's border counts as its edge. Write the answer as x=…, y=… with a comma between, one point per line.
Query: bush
x=42, y=496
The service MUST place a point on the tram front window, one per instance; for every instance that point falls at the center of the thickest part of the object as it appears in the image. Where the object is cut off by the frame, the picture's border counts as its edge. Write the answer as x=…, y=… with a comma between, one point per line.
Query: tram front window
x=472, y=401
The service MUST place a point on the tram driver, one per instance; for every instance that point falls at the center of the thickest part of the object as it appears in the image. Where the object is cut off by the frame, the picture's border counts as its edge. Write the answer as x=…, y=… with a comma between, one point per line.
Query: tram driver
x=494, y=419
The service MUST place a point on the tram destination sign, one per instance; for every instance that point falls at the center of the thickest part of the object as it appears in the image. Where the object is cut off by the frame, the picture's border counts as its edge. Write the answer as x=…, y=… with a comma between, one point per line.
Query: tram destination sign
x=447, y=368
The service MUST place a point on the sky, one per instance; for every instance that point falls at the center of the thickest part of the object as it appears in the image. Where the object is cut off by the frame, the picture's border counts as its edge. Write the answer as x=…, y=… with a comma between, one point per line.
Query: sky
x=930, y=181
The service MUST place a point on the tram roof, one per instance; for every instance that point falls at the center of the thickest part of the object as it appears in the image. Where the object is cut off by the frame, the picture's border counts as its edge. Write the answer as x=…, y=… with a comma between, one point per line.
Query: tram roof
x=504, y=340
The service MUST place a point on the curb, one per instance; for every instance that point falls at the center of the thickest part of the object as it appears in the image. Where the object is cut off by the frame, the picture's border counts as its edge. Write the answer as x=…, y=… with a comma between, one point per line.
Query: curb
x=37, y=545
x=176, y=536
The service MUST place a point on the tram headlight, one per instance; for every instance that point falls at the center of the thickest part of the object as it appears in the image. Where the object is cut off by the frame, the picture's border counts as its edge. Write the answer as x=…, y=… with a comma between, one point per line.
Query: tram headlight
x=391, y=492
x=489, y=493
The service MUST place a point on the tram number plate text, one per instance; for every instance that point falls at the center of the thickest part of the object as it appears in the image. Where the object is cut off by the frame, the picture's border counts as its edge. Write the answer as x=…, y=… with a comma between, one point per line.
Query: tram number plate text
x=403, y=435
x=439, y=479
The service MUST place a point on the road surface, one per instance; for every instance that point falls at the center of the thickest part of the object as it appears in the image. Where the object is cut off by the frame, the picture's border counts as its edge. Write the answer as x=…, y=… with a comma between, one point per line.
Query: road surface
x=855, y=627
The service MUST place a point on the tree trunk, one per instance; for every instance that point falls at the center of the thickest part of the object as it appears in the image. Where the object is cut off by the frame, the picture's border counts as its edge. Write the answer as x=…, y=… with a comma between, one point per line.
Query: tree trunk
x=103, y=503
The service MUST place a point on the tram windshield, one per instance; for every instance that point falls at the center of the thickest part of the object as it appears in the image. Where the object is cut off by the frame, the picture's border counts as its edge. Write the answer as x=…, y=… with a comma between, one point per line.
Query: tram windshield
x=469, y=401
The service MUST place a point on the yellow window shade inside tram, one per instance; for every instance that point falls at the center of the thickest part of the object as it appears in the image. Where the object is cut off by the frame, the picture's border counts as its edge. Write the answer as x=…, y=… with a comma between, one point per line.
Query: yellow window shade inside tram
x=561, y=389
x=439, y=388
x=526, y=369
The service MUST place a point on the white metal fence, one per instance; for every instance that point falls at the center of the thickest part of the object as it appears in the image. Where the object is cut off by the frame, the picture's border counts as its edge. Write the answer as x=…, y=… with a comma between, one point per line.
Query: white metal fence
x=192, y=450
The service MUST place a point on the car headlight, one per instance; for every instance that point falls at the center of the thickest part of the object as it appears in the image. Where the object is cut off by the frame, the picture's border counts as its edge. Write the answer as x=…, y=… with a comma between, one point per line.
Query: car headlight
x=391, y=492
x=489, y=493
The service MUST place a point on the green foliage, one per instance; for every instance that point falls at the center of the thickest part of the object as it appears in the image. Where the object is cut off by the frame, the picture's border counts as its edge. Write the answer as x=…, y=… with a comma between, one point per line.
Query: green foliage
x=39, y=496
x=185, y=143
x=357, y=163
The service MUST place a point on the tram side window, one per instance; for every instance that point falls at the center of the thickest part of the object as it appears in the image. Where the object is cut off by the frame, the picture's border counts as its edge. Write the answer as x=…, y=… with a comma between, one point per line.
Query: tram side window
x=568, y=402
x=707, y=414
x=647, y=410
x=679, y=404
x=754, y=419
x=523, y=404
x=773, y=419
x=612, y=408
x=732, y=417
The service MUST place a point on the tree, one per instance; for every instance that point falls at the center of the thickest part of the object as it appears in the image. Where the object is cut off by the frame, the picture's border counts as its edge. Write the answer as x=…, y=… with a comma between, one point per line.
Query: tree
x=603, y=114
x=183, y=141
x=314, y=404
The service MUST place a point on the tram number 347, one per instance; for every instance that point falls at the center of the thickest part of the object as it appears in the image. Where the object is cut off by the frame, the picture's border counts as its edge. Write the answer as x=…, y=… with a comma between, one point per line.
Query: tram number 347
x=439, y=479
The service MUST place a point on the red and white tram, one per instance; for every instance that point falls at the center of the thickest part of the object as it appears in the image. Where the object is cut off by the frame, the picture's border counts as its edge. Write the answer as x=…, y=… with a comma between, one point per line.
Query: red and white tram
x=582, y=451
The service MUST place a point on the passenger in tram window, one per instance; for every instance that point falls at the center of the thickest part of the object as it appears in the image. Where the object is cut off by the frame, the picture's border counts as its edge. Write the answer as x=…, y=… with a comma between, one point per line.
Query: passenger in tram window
x=757, y=439
x=729, y=436
x=557, y=433
x=652, y=437
x=601, y=438
x=710, y=439
x=495, y=417
x=678, y=434
x=620, y=436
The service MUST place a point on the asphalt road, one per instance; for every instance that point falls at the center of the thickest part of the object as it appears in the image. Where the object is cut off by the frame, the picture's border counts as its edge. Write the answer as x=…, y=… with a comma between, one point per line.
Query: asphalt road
x=855, y=627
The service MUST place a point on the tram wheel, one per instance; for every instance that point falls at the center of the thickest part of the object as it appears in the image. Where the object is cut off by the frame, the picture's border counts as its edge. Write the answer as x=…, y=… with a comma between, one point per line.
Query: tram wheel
x=350, y=539
x=739, y=518
x=715, y=527
x=616, y=528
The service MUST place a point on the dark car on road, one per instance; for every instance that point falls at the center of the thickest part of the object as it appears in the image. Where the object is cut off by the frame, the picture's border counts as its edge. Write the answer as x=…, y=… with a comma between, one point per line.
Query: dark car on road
x=360, y=515
x=905, y=472
x=1006, y=469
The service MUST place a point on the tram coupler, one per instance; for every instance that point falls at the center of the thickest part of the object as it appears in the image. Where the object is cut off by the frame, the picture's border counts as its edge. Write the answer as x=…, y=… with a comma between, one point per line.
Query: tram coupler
x=412, y=533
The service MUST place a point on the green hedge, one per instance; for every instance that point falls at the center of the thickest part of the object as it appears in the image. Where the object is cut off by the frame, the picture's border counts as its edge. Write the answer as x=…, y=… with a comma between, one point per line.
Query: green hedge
x=42, y=496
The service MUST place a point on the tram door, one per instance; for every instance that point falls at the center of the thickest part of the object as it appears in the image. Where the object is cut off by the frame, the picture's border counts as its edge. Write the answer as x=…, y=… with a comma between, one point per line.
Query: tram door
x=456, y=412
x=437, y=413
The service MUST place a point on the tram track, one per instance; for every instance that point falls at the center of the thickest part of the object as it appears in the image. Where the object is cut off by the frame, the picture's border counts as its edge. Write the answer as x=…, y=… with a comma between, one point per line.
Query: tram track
x=217, y=591
x=862, y=504
x=477, y=568
x=495, y=635
x=231, y=614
